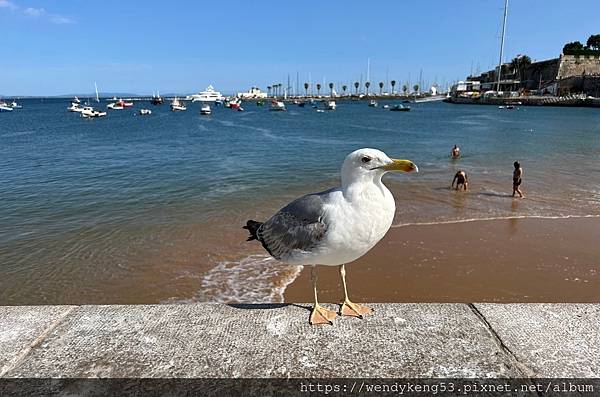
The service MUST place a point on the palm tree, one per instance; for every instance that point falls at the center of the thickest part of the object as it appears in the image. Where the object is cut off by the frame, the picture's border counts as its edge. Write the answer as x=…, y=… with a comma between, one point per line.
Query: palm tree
x=356, y=85
x=380, y=87
x=330, y=89
x=416, y=87
x=318, y=89
x=268, y=90
x=344, y=88
x=404, y=89
x=393, y=83
x=306, y=89
x=367, y=85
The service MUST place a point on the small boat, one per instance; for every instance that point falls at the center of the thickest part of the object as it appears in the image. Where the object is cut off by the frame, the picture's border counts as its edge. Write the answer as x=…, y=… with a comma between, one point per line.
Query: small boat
x=320, y=111
x=75, y=100
x=205, y=109
x=331, y=105
x=156, y=98
x=126, y=104
x=90, y=112
x=277, y=106
x=75, y=107
x=116, y=105
x=234, y=104
x=144, y=112
x=400, y=108
x=386, y=106
x=373, y=103
x=15, y=105
x=177, y=105
x=4, y=107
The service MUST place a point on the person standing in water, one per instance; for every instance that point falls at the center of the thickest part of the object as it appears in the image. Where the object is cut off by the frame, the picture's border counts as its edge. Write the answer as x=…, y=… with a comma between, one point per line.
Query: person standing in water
x=517, y=175
x=461, y=179
x=455, y=152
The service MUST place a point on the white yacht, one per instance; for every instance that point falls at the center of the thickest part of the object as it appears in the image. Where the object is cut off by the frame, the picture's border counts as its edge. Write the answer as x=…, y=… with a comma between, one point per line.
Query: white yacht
x=90, y=112
x=4, y=107
x=205, y=109
x=75, y=107
x=177, y=105
x=208, y=95
x=15, y=105
x=277, y=106
x=331, y=105
x=145, y=112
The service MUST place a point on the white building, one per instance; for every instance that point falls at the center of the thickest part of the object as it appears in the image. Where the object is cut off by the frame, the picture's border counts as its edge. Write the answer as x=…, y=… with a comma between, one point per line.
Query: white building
x=252, y=93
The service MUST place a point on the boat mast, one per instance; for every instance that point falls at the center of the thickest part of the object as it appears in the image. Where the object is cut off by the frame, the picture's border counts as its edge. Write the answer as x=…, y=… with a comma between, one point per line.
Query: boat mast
x=96, y=86
x=502, y=45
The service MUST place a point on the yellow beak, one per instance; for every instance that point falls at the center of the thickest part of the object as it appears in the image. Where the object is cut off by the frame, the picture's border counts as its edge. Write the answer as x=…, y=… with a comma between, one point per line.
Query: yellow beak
x=401, y=165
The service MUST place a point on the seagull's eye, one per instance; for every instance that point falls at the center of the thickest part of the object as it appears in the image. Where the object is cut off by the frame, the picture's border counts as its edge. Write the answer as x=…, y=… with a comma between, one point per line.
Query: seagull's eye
x=366, y=159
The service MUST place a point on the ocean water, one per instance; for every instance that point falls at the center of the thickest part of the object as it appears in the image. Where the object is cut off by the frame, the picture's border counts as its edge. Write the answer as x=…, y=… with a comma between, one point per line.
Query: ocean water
x=132, y=209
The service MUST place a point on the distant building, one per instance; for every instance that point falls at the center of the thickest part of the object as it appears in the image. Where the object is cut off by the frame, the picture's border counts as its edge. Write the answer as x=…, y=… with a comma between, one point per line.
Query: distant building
x=252, y=93
x=567, y=74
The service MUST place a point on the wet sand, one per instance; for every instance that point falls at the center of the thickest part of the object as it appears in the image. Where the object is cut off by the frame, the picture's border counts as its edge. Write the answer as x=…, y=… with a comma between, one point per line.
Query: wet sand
x=508, y=260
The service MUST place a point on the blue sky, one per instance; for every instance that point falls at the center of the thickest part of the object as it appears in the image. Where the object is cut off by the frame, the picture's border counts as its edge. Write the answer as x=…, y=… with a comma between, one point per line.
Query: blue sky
x=60, y=47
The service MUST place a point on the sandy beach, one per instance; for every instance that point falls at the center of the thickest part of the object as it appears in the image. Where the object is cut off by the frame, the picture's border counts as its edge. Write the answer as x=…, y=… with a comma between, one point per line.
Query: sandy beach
x=508, y=260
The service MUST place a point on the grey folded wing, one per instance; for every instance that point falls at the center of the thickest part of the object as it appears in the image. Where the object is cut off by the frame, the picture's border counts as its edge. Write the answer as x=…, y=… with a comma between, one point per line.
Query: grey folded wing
x=297, y=226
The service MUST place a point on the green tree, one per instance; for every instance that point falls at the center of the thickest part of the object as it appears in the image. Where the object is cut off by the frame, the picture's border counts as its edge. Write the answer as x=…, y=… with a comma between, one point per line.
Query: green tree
x=356, y=85
x=344, y=88
x=593, y=42
x=393, y=83
x=574, y=45
x=330, y=89
x=519, y=64
x=318, y=89
x=380, y=87
x=367, y=85
x=306, y=89
x=416, y=88
x=404, y=89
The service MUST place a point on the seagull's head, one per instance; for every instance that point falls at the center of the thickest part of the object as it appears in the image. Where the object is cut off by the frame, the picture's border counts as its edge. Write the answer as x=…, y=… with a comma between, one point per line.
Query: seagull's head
x=370, y=165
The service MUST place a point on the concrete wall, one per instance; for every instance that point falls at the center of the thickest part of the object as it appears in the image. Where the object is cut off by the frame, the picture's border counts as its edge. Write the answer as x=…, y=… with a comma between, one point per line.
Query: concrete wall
x=572, y=65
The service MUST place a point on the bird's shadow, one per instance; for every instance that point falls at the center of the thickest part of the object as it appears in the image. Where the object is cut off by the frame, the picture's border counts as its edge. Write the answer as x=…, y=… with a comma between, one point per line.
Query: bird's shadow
x=265, y=306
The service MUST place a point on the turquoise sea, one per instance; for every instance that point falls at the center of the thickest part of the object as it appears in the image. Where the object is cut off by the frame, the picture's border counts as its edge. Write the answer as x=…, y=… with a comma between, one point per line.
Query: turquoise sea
x=130, y=209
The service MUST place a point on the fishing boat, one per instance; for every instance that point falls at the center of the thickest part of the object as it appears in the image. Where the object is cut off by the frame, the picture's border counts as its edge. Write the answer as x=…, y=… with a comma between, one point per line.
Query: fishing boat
x=177, y=105
x=75, y=100
x=205, y=109
x=400, y=108
x=373, y=103
x=5, y=107
x=75, y=107
x=15, y=105
x=277, y=106
x=235, y=104
x=208, y=95
x=145, y=112
x=331, y=105
x=156, y=99
x=90, y=112
x=116, y=105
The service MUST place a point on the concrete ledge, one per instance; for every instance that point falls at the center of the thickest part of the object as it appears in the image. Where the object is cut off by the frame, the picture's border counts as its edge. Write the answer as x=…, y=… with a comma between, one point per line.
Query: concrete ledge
x=216, y=340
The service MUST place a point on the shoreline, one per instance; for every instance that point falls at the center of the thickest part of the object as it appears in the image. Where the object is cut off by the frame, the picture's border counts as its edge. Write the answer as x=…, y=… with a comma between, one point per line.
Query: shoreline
x=500, y=260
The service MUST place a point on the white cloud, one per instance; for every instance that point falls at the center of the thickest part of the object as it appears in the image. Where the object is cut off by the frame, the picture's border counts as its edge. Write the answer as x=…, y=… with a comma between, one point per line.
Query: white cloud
x=34, y=12
x=8, y=4
x=60, y=20
x=37, y=13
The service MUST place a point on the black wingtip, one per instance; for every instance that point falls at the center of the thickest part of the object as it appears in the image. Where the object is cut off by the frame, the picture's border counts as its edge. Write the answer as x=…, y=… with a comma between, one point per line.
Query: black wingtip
x=252, y=227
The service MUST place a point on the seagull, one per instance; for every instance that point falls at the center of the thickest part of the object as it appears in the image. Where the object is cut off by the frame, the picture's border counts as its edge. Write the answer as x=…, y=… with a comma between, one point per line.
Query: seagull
x=336, y=226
